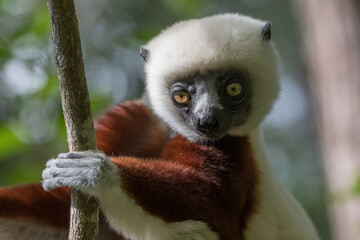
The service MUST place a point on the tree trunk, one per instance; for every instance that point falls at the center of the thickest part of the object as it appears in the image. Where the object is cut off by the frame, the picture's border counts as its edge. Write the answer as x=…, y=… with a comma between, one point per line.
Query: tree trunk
x=331, y=35
x=76, y=108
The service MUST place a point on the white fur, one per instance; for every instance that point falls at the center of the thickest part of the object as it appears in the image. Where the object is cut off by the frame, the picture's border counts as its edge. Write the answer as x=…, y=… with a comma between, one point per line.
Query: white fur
x=95, y=174
x=125, y=216
x=280, y=216
x=220, y=41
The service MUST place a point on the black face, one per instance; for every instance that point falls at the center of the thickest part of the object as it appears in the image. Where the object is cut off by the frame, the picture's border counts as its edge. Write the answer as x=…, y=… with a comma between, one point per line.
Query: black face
x=214, y=102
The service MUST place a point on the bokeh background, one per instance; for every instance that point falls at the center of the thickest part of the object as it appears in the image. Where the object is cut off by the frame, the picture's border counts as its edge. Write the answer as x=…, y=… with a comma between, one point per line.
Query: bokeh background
x=31, y=122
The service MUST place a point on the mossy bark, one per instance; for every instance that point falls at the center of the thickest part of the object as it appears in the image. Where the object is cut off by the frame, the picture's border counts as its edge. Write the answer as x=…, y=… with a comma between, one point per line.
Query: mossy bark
x=76, y=108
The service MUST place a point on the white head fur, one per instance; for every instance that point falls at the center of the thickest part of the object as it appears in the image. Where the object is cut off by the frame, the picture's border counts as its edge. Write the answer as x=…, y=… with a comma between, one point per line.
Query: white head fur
x=220, y=41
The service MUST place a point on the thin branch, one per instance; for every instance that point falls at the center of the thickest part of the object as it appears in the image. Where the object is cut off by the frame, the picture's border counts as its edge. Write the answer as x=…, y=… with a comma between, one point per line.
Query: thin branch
x=76, y=108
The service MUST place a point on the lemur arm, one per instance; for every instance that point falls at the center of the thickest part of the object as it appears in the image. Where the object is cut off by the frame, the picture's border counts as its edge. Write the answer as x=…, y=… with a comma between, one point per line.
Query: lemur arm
x=215, y=185
x=128, y=129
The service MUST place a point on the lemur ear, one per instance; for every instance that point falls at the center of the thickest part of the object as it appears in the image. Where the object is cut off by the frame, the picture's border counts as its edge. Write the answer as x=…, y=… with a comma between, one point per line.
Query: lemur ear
x=144, y=53
x=266, y=31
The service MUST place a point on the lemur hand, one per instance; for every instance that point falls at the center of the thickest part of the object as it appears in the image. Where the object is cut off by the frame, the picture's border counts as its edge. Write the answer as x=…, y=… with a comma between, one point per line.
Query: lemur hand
x=85, y=171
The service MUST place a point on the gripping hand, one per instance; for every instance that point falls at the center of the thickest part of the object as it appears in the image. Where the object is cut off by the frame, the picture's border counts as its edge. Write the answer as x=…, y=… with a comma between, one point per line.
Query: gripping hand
x=86, y=171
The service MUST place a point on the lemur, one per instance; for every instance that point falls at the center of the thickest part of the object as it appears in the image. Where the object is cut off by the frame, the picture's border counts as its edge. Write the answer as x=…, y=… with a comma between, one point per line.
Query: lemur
x=212, y=81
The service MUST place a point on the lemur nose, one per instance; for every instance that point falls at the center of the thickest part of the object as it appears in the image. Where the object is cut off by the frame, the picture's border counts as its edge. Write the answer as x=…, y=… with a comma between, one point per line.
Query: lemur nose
x=209, y=125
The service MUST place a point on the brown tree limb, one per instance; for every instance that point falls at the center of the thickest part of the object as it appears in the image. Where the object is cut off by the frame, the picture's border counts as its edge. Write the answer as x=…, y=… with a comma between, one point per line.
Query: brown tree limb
x=76, y=108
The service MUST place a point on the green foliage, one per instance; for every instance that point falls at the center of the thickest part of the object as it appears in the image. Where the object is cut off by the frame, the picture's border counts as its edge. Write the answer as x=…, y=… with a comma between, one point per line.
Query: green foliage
x=40, y=24
x=356, y=188
x=9, y=143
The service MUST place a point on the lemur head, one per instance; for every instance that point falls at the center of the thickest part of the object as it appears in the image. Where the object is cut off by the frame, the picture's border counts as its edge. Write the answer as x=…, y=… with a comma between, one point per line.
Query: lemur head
x=212, y=76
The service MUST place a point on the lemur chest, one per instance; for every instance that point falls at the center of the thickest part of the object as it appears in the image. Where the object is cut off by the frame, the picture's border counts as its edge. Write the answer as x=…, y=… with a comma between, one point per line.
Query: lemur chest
x=185, y=199
x=130, y=220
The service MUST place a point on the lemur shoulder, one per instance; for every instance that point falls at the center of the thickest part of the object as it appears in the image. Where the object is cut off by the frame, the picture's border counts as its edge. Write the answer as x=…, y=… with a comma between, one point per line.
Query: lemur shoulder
x=212, y=81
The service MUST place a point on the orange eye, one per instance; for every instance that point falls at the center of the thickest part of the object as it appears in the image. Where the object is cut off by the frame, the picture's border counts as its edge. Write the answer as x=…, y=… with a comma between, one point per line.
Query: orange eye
x=181, y=97
x=233, y=89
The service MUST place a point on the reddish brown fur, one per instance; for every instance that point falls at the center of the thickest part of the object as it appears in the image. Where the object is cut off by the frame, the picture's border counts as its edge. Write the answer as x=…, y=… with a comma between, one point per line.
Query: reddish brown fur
x=215, y=184
x=25, y=202
x=130, y=129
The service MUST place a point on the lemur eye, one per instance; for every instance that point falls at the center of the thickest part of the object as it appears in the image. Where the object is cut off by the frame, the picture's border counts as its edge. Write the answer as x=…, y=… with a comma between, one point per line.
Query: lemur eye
x=233, y=89
x=181, y=97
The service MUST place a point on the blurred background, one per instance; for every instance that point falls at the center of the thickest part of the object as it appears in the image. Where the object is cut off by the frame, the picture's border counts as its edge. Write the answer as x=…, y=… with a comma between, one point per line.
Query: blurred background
x=31, y=122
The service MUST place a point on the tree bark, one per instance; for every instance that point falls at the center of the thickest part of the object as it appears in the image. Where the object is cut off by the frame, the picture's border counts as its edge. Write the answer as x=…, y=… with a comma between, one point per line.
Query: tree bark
x=76, y=108
x=331, y=35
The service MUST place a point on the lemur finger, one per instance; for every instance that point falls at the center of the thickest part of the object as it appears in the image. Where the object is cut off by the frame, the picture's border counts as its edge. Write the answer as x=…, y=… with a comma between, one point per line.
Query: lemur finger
x=51, y=162
x=46, y=173
x=52, y=170
x=51, y=183
x=59, y=172
x=84, y=154
x=60, y=182
x=81, y=181
x=79, y=163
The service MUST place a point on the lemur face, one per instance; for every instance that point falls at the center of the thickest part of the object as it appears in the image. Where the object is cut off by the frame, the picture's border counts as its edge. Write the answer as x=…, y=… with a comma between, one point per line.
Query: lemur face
x=212, y=76
x=213, y=102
